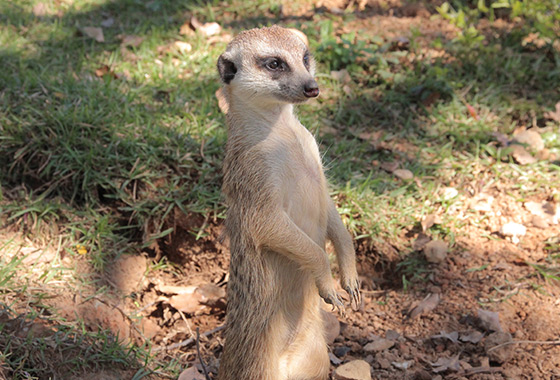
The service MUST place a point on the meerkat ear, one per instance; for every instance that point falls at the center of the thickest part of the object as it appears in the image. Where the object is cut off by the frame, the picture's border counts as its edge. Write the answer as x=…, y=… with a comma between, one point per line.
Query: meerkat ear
x=227, y=69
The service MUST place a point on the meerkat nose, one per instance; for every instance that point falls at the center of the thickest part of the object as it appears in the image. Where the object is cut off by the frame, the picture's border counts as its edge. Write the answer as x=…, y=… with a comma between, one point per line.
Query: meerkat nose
x=311, y=89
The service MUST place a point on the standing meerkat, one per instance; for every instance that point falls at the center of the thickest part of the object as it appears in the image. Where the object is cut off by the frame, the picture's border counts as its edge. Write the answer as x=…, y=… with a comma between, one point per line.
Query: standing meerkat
x=279, y=217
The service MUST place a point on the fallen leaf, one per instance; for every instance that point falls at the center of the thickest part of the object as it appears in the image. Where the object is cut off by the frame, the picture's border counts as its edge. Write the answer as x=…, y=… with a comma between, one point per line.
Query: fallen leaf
x=208, y=28
x=531, y=138
x=554, y=115
x=130, y=40
x=403, y=174
x=191, y=374
x=378, y=345
x=341, y=75
x=501, y=138
x=108, y=22
x=489, y=320
x=187, y=303
x=421, y=241
x=548, y=211
x=446, y=364
x=449, y=193
x=403, y=365
x=183, y=47
x=334, y=360
x=428, y=304
x=105, y=70
x=472, y=337
x=94, y=33
x=521, y=156
x=452, y=336
x=499, y=354
x=40, y=9
x=436, y=251
x=429, y=221
x=389, y=167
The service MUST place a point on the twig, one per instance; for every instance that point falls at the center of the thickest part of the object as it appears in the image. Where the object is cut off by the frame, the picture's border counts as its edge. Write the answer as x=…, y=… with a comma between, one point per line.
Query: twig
x=187, y=342
x=200, y=356
x=551, y=342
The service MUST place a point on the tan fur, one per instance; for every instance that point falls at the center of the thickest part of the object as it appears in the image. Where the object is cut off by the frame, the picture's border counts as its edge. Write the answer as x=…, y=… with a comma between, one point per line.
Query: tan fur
x=279, y=217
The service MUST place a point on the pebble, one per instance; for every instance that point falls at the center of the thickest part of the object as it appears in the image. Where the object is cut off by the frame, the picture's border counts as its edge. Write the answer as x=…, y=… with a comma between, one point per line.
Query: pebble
x=379, y=345
x=354, y=370
x=539, y=222
x=513, y=229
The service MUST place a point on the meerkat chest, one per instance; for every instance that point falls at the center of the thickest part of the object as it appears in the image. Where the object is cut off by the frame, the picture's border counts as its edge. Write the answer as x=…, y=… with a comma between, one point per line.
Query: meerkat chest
x=304, y=185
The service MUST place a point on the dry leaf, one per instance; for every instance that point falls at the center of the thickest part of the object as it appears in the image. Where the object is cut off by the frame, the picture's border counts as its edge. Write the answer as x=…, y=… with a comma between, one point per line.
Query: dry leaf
x=554, y=115
x=208, y=29
x=191, y=374
x=40, y=9
x=378, y=345
x=183, y=47
x=342, y=76
x=421, y=241
x=105, y=70
x=94, y=32
x=531, y=138
x=429, y=221
x=403, y=174
x=130, y=40
x=452, y=336
x=499, y=354
x=521, y=156
x=389, y=166
x=472, y=337
x=403, y=365
x=107, y=23
x=428, y=304
x=489, y=320
x=446, y=364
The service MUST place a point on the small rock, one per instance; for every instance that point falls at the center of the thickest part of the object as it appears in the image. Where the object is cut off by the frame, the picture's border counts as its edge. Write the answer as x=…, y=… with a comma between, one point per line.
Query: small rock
x=149, y=328
x=384, y=363
x=435, y=251
x=501, y=354
x=531, y=138
x=354, y=370
x=403, y=174
x=539, y=222
x=379, y=345
x=389, y=166
x=334, y=359
x=341, y=351
x=513, y=229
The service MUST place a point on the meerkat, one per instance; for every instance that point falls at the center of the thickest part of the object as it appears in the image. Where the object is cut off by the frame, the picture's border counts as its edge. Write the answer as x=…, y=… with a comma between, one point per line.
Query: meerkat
x=279, y=215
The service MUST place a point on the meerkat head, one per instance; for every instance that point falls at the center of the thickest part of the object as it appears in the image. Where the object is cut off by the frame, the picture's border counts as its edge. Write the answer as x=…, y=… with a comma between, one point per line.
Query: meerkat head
x=269, y=65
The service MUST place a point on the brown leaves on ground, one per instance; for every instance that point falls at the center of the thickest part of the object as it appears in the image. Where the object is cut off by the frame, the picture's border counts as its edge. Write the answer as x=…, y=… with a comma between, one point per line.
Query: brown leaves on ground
x=93, y=32
x=428, y=304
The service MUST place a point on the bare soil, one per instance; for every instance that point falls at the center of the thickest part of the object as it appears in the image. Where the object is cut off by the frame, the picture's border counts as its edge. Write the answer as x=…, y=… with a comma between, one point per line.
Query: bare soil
x=444, y=325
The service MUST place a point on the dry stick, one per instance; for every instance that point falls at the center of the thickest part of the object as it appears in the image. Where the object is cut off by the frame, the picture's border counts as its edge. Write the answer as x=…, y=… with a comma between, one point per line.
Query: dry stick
x=200, y=356
x=551, y=342
x=187, y=342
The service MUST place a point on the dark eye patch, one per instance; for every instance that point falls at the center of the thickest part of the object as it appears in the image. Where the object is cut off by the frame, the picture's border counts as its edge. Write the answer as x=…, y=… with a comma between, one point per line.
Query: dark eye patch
x=273, y=64
x=306, y=60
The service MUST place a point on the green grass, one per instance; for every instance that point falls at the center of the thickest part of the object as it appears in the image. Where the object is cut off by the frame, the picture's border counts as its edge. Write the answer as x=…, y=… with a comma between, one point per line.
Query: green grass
x=100, y=143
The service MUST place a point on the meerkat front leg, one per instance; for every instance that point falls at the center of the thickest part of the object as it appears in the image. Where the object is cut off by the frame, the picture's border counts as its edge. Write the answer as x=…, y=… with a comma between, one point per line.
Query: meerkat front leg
x=283, y=236
x=345, y=254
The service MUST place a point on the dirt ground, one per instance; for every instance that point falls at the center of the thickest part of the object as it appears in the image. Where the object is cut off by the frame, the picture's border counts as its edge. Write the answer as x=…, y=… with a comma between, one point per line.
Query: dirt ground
x=448, y=324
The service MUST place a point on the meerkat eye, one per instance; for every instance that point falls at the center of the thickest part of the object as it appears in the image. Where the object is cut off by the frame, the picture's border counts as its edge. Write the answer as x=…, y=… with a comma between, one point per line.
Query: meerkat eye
x=306, y=59
x=274, y=64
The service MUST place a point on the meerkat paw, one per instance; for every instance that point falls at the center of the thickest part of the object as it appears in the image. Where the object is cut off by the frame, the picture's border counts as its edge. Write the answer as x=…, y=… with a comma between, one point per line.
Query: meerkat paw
x=333, y=298
x=352, y=287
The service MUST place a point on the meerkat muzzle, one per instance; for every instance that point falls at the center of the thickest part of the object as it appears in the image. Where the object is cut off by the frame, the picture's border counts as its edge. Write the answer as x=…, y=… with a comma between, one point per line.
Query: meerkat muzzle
x=311, y=89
